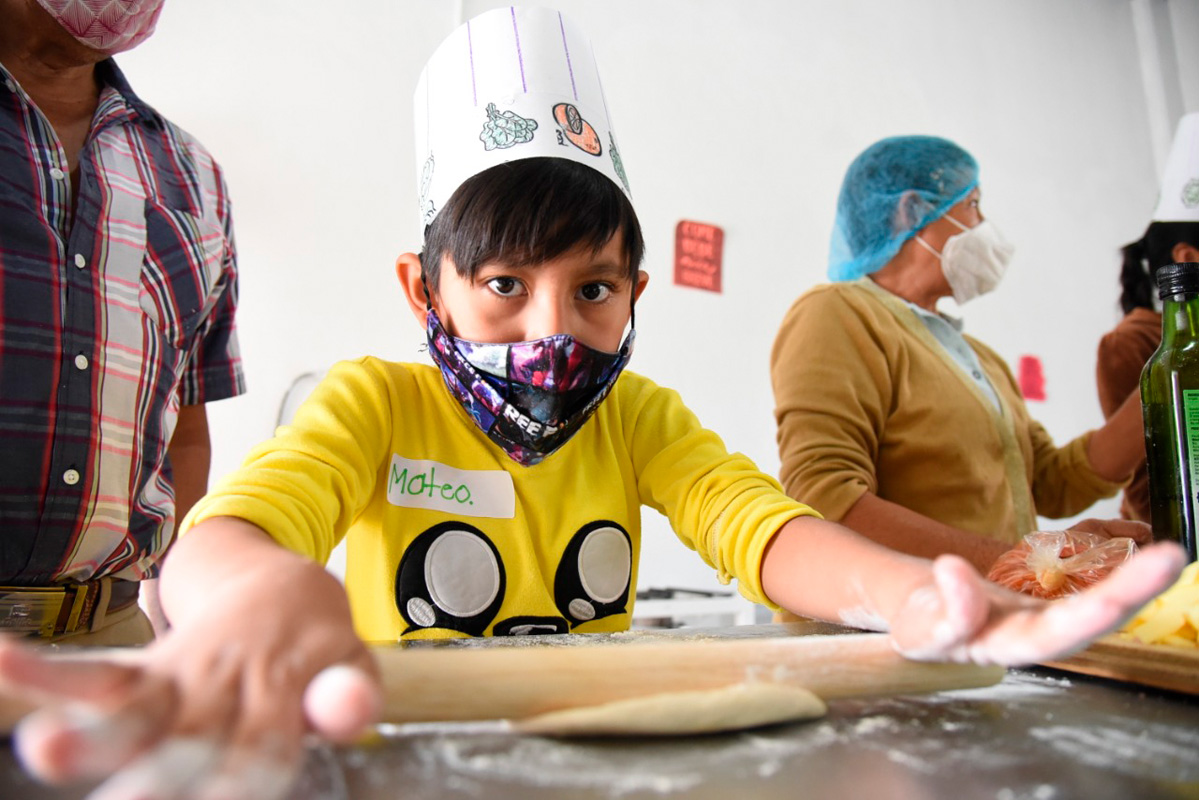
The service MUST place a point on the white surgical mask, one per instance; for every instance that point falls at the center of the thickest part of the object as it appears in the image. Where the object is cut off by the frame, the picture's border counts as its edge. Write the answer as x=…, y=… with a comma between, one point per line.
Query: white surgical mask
x=974, y=260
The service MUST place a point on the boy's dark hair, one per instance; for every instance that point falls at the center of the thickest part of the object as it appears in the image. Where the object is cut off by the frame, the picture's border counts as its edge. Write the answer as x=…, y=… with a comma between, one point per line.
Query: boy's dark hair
x=528, y=211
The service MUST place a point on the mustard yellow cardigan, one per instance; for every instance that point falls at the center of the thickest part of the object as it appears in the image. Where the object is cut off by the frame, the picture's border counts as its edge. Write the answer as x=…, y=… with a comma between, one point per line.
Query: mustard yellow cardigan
x=868, y=401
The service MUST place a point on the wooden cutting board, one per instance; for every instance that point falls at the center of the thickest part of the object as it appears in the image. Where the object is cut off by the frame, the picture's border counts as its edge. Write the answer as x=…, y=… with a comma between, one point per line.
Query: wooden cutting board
x=1160, y=666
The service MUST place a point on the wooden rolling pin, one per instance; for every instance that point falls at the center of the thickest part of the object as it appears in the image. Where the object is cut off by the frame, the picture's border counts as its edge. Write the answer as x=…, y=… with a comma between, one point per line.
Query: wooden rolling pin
x=425, y=684
x=461, y=683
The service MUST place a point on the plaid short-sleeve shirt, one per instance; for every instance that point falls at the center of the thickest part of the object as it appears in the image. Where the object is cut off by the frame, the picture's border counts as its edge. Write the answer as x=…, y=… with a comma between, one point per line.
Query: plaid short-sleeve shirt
x=111, y=318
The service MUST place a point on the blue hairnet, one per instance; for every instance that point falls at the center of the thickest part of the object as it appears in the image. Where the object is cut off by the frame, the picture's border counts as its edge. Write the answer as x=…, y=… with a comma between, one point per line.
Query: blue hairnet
x=891, y=191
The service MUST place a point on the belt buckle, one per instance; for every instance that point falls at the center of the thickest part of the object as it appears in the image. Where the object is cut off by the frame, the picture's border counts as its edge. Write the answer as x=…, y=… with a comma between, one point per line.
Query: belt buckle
x=33, y=609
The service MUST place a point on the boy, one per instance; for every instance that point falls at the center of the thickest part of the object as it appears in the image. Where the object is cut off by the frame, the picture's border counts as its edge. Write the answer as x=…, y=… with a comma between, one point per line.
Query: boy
x=497, y=493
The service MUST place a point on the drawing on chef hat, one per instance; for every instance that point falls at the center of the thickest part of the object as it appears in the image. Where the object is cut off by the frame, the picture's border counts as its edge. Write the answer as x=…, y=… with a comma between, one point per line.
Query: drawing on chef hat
x=509, y=84
x=617, y=164
x=504, y=130
x=427, y=211
x=1179, y=198
x=577, y=130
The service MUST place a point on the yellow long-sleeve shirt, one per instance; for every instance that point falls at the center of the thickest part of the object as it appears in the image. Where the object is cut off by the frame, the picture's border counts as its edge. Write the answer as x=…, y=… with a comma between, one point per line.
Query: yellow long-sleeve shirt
x=867, y=400
x=450, y=537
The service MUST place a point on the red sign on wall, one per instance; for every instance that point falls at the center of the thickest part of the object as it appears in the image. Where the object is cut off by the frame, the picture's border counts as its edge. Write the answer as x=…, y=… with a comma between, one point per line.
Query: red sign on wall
x=698, y=254
x=1032, y=378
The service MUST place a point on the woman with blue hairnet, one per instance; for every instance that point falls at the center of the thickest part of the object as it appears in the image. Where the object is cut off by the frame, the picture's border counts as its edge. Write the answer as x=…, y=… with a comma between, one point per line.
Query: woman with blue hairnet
x=894, y=422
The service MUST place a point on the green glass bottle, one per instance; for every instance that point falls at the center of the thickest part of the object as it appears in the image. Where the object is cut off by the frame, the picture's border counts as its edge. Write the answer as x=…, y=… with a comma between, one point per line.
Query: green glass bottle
x=1170, y=404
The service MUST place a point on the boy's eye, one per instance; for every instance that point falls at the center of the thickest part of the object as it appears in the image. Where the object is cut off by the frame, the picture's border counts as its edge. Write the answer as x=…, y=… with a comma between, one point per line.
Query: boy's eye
x=505, y=287
x=595, y=292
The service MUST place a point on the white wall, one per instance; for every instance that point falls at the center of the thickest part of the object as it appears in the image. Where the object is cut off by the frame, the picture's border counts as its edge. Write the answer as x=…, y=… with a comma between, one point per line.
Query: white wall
x=1184, y=18
x=743, y=114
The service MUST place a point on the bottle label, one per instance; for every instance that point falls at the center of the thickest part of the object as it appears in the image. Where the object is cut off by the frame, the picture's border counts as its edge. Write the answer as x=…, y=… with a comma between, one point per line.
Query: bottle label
x=1190, y=409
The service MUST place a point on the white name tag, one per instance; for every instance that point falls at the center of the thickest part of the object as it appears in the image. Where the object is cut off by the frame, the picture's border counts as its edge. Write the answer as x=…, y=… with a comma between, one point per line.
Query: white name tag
x=438, y=487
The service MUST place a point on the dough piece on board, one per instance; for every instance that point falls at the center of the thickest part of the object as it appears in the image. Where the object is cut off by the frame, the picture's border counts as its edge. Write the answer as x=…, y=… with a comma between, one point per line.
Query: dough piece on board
x=742, y=705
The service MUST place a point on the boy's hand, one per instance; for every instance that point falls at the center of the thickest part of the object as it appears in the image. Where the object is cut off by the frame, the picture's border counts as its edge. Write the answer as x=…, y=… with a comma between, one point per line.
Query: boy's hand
x=176, y=722
x=959, y=616
x=218, y=707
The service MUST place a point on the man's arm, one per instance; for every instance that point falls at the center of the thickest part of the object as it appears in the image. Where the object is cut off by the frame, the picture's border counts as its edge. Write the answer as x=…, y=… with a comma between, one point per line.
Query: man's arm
x=190, y=454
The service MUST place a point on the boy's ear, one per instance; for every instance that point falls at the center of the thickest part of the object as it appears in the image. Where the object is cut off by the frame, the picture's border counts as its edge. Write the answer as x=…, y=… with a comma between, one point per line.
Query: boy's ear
x=408, y=270
x=1183, y=252
x=642, y=279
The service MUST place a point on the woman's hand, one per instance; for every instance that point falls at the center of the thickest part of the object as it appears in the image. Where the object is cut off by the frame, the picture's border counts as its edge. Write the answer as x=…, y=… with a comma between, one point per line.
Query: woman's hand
x=1139, y=532
x=959, y=616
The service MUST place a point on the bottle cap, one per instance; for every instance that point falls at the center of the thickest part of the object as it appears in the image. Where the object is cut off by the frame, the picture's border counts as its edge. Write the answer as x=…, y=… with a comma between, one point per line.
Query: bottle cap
x=1174, y=279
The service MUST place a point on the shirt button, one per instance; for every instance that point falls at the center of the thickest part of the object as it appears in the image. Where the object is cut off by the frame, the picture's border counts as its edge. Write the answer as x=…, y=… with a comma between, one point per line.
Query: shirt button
x=978, y=376
x=81, y=361
x=80, y=261
x=57, y=174
x=12, y=87
x=70, y=477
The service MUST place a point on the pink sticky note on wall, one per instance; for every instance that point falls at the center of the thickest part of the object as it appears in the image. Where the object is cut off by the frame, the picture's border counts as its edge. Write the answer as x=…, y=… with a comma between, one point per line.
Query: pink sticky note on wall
x=698, y=255
x=1032, y=378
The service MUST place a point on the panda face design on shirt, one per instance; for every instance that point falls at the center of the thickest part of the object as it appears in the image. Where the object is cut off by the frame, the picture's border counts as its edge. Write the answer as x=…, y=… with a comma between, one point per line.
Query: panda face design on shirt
x=453, y=577
x=593, y=575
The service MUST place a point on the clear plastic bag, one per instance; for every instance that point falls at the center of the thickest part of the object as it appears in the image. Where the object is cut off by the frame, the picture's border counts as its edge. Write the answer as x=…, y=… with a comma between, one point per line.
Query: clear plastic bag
x=1052, y=564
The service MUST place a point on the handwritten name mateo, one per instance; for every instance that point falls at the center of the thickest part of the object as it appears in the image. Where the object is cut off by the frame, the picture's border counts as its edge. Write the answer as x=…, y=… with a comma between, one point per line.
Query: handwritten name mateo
x=431, y=485
x=425, y=483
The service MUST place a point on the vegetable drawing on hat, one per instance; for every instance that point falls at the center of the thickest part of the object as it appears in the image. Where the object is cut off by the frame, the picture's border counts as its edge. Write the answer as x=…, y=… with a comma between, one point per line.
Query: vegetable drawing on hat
x=1190, y=194
x=577, y=130
x=511, y=83
x=505, y=129
x=427, y=211
x=1179, y=197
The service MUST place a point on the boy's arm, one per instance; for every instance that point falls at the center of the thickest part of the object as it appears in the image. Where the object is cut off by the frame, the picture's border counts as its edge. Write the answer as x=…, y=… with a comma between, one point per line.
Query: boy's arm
x=222, y=702
x=256, y=658
x=944, y=610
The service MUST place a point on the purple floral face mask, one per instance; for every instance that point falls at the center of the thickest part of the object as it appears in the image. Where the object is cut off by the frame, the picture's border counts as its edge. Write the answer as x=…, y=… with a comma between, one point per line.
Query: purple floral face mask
x=528, y=397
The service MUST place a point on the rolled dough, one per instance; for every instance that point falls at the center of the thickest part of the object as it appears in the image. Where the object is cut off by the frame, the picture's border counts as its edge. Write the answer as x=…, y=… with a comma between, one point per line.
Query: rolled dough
x=736, y=707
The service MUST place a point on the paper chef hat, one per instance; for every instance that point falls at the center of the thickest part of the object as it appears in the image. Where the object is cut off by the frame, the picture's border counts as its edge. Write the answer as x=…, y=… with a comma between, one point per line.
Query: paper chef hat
x=1179, y=200
x=511, y=83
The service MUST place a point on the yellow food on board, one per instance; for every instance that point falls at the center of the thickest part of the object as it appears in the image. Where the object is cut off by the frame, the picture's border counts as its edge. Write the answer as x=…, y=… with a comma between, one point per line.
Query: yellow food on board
x=1172, y=617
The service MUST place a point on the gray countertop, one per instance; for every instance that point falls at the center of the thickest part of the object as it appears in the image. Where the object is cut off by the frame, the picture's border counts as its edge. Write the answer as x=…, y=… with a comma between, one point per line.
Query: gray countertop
x=1038, y=735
